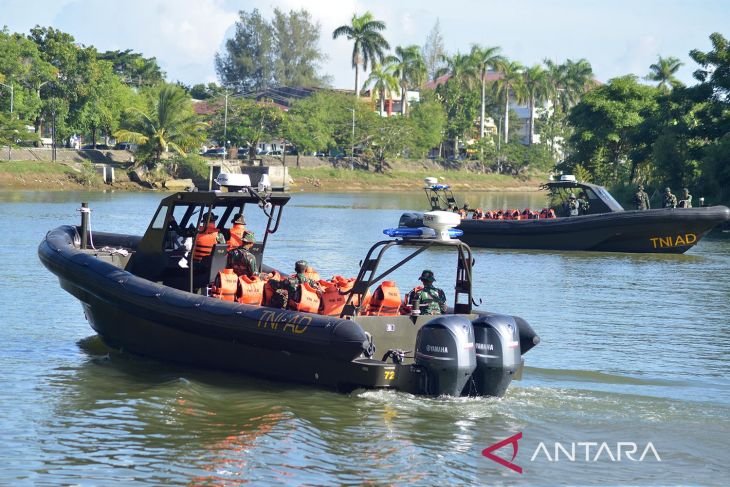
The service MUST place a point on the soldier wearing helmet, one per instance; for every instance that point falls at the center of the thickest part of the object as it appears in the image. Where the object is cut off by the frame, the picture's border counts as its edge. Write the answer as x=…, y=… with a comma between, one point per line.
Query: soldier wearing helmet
x=428, y=299
x=641, y=199
x=669, y=200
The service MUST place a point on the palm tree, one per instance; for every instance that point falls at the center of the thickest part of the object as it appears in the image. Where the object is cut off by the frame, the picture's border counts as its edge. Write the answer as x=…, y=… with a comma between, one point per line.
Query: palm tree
x=569, y=82
x=383, y=80
x=409, y=68
x=510, y=83
x=370, y=45
x=537, y=89
x=168, y=124
x=460, y=68
x=663, y=72
x=484, y=59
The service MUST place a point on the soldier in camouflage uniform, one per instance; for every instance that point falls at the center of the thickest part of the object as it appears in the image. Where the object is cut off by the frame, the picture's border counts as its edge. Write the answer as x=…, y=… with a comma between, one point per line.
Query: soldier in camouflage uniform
x=241, y=260
x=573, y=206
x=686, y=201
x=641, y=199
x=429, y=299
x=287, y=287
x=669, y=200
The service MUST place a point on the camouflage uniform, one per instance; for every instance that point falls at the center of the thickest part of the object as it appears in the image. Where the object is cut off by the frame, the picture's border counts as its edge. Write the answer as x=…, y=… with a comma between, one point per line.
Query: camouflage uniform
x=573, y=206
x=641, y=199
x=288, y=286
x=431, y=300
x=585, y=204
x=686, y=201
x=241, y=259
x=669, y=200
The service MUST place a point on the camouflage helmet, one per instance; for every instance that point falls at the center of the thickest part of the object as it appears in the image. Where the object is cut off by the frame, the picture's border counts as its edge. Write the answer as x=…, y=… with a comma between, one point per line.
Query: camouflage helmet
x=238, y=218
x=667, y=189
x=248, y=237
x=427, y=275
x=685, y=190
x=300, y=266
x=572, y=196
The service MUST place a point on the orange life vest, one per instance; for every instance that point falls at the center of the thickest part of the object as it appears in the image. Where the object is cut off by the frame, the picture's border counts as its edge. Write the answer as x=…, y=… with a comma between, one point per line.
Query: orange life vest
x=308, y=299
x=236, y=239
x=227, y=285
x=385, y=301
x=268, y=290
x=205, y=241
x=251, y=290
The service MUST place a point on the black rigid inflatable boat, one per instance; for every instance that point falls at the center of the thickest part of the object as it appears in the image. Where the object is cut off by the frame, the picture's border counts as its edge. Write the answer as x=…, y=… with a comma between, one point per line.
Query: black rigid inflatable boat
x=138, y=298
x=603, y=226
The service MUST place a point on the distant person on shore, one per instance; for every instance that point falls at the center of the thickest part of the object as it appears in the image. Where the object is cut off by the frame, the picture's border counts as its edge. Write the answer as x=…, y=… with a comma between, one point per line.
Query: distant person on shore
x=669, y=200
x=641, y=199
x=686, y=201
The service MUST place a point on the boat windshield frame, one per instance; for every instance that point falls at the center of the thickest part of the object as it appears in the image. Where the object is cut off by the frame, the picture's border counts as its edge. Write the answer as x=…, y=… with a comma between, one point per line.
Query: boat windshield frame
x=603, y=202
x=368, y=276
x=440, y=197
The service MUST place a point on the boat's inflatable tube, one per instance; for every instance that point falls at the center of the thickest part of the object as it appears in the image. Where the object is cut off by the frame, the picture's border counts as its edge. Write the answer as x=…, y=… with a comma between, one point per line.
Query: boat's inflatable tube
x=104, y=288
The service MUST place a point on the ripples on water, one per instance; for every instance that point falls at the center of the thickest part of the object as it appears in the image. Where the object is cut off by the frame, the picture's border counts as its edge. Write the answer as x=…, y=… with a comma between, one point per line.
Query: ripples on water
x=633, y=350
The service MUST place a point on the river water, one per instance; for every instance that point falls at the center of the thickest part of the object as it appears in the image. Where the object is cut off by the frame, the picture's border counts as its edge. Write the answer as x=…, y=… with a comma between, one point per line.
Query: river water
x=633, y=358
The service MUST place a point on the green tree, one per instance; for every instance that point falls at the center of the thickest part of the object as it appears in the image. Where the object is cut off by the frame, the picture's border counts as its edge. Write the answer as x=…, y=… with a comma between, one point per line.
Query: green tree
x=369, y=45
x=609, y=123
x=715, y=66
x=167, y=123
x=508, y=85
x=537, y=89
x=461, y=105
x=13, y=132
x=382, y=79
x=133, y=68
x=663, y=72
x=247, y=62
x=429, y=122
x=433, y=51
x=485, y=59
x=410, y=69
x=297, y=56
x=248, y=123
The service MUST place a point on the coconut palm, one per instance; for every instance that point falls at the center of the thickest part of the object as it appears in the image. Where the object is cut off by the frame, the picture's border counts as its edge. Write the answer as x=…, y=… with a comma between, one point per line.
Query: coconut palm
x=460, y=68
x=410, y=69
x=369, y=47
x=485, y=59
x=537, y=88
x=663, y=72
x=510, y=84
x=169, y=123
x=569, y=82
x=383, y=80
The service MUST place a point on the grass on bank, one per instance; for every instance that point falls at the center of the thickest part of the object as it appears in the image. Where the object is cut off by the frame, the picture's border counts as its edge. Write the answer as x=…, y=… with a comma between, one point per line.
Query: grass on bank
x=45, y=168
x=409, y=178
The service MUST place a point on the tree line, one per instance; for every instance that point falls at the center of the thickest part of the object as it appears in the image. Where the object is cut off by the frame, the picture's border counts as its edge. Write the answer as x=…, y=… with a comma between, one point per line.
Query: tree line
x=617, y=133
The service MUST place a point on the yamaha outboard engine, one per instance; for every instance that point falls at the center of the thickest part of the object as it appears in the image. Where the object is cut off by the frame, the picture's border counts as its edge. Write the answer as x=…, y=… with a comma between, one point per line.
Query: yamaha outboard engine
x=497, y=344
x=445, y=353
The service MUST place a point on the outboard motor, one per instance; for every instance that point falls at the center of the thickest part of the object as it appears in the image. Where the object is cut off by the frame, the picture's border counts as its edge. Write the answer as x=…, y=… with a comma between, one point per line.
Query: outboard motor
x=497, y=344
x=445, y=353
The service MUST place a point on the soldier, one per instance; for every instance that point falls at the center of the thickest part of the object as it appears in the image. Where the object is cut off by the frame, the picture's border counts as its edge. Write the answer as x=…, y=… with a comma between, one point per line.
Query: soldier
x=641, y=199
x=669, y=200
x=584, y=203
x=241, y=260
x=430, y=300
x=287, y=287
x=686, y=201
x=573, y=206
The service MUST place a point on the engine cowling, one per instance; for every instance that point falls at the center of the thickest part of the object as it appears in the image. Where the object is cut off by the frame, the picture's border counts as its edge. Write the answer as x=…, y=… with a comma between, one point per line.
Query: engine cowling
x=497, y=347
x=445, y=353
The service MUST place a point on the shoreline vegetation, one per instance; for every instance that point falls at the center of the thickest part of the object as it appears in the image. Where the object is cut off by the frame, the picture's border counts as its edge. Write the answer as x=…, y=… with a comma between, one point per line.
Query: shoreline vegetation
x=34, y=175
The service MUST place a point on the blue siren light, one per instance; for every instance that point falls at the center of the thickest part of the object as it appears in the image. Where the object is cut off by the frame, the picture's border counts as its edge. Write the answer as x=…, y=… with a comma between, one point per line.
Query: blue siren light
x=422, y=232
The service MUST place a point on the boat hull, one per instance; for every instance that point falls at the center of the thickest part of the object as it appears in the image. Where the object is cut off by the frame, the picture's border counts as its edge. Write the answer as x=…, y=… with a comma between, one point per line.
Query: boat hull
x=671, y=231
x=146, y=318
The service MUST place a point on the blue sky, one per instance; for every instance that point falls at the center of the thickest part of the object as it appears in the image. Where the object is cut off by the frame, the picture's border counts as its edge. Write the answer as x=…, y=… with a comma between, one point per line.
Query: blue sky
x=618, y=37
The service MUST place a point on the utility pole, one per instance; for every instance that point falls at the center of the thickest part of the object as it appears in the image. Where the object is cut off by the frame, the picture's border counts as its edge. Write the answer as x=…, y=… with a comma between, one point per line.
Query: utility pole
x=53, y=136
x=12, y=91
x=225, y=128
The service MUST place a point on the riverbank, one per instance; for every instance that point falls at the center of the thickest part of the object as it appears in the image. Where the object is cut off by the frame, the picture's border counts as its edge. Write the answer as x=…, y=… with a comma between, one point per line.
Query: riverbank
x=63, y=176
